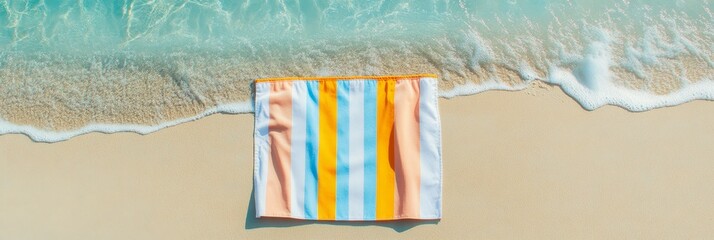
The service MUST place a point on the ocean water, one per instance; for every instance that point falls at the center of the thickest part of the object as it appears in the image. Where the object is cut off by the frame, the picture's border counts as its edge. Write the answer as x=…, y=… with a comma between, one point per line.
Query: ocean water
x=71, y=67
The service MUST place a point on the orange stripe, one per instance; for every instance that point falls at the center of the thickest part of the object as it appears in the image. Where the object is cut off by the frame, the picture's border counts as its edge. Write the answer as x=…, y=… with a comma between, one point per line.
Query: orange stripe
x=406, y=142
x=327, y=152
x=385, y=150
x=277, y=193
x=386, y=78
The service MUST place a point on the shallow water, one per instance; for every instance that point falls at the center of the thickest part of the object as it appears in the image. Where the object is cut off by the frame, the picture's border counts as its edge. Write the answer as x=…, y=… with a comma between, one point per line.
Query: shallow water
x=68, y=67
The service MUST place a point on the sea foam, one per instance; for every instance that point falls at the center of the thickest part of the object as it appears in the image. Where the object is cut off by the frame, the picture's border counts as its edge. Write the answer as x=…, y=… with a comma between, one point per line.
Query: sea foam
x=73, y=67
x=43, y=135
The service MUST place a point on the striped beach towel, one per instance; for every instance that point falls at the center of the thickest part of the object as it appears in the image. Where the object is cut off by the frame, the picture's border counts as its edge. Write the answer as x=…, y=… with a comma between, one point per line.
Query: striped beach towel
x=348, y=148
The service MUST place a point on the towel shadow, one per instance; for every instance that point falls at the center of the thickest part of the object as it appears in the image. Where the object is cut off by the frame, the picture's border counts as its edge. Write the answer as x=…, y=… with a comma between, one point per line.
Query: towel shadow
x=251, y=222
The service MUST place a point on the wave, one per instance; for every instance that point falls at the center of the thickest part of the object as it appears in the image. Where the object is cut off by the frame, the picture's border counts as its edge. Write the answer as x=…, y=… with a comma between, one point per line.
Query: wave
x=68, y=68
x=630, y=100
x=43, y=135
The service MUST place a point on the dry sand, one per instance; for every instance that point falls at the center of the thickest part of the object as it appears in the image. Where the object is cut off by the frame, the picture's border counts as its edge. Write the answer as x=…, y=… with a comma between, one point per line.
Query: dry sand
x=517, y=165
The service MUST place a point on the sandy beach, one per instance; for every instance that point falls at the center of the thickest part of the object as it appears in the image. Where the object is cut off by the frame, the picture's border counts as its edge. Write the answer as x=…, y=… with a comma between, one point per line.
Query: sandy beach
x=517, y=165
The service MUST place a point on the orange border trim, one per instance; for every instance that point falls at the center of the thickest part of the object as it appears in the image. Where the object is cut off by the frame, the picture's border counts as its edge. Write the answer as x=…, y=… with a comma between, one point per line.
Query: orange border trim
x=331, y=78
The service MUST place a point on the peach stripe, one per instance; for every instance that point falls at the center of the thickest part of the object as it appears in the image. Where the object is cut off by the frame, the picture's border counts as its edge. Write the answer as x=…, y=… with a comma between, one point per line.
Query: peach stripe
x=385, y=150
x=406, y=149
x=277, y=194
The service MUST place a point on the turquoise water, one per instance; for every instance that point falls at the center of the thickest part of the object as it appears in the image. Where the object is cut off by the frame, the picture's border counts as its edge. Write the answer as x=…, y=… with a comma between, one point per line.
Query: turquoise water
x=69, y=65
x=161, y=25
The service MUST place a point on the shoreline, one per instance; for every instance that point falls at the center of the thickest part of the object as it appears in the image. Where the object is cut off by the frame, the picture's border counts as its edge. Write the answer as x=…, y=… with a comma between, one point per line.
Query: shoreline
x=148, y=91
x=626, y=99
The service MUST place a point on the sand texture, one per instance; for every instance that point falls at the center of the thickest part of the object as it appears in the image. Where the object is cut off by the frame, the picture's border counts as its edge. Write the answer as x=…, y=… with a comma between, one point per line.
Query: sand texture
x=517, y=165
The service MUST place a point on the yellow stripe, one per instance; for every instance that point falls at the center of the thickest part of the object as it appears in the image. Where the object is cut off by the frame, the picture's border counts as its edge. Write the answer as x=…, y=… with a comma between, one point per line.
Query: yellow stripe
x=389, y=77
x=385, y=150
x=327, y=152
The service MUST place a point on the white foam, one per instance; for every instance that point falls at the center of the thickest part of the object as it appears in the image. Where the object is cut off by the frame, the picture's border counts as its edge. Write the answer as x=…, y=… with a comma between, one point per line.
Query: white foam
x=42, y=135
x=470, y=88
x=585, y=74
x=578, y=50
x=589, y=97
x=591, y=83
x=632, y=100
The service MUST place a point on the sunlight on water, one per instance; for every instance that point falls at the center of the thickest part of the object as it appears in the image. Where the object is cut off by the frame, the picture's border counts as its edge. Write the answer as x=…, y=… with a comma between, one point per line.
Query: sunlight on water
x=65, y=65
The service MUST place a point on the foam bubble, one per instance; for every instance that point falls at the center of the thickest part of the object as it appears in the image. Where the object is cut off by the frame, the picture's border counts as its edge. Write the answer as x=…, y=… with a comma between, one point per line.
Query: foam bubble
x=632, y=100
x=42, y=135
x=106, y=60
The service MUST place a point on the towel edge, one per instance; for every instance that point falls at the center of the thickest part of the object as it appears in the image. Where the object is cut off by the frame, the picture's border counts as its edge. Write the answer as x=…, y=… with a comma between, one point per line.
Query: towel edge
x=335, y=78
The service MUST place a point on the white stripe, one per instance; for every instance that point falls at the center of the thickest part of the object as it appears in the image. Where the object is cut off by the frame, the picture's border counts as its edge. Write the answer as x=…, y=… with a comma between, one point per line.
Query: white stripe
x=297, y=151
x=262, y=145
x=430, y=150
x=356, y=150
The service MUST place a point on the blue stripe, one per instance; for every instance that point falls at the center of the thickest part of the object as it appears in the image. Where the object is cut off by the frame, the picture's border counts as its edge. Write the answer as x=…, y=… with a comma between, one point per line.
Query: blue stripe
x=343, y=151
x=313, y=134
x=370, y=149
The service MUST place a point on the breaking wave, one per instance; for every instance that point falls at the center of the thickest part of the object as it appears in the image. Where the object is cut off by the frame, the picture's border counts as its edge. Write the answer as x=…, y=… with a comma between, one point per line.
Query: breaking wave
x=72, y=67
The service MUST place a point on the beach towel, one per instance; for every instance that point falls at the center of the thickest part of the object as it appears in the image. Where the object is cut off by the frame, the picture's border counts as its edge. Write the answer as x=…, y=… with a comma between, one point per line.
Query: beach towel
x=348, y=148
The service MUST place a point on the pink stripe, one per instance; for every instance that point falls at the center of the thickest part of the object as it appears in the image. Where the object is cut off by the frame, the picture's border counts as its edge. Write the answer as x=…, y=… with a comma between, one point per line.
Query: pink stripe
x=277, y=194
x=406, y=149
